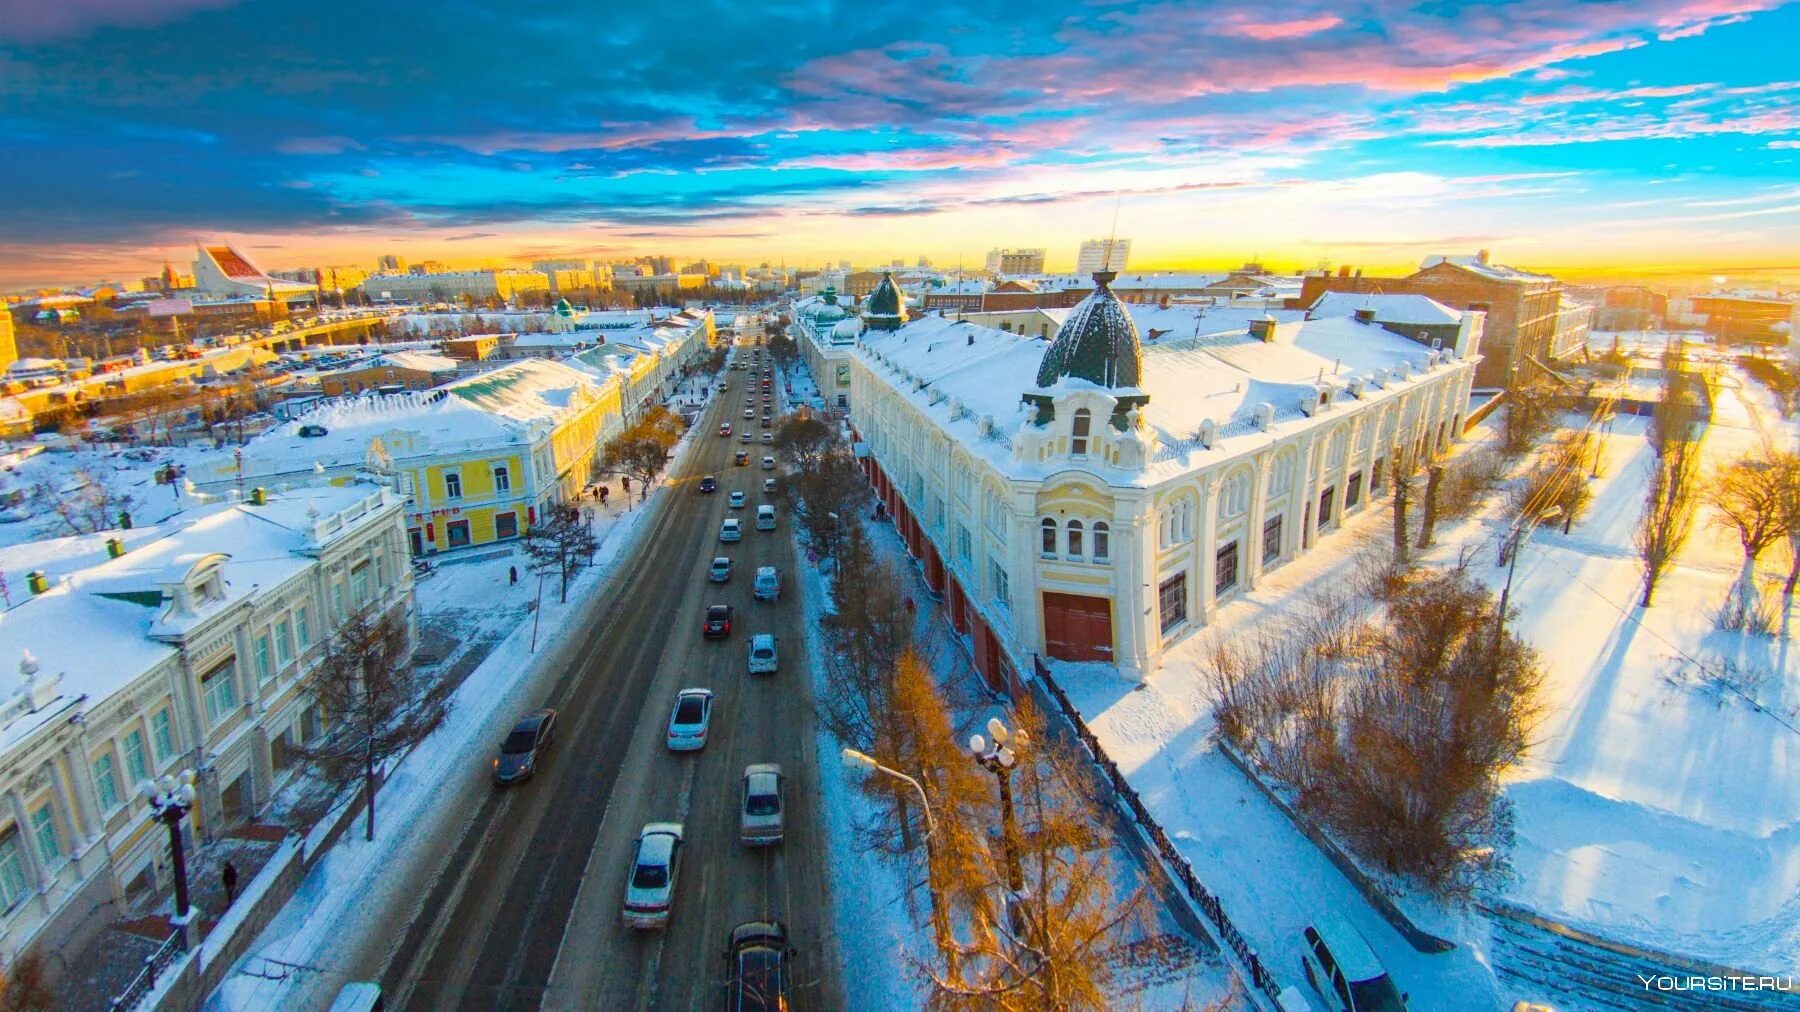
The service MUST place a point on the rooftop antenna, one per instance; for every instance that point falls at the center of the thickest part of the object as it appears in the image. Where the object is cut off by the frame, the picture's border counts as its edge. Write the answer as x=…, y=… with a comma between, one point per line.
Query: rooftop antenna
x=1112, y=236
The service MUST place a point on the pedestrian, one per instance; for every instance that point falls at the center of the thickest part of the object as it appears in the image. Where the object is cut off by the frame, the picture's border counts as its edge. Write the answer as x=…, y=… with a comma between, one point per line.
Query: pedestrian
x=910, y=607
x=512, y=576
x=230, y=877
x=625, y=485
x=603, y=495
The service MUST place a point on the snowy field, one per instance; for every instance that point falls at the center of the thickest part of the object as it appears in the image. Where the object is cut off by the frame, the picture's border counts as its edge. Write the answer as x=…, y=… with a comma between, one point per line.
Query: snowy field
x=1656, y=808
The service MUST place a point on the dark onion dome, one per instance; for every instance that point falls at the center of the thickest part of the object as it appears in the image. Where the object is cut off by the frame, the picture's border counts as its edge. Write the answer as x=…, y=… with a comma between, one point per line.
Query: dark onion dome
x=885, y=310
x=563, y=308
x=1098, y=342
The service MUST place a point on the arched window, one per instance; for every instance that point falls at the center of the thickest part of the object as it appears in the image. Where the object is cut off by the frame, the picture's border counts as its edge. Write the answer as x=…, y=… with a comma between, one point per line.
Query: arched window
x=1102, y=539
x=1281, y=480
x=1048, y=527
x=1075, y=549
x=1078, y=433
x=1334, y=455
x=1234, y=496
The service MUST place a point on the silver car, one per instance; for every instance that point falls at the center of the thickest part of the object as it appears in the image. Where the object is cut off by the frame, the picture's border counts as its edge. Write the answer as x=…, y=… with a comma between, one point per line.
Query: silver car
x=762, y=805
x=650, y=888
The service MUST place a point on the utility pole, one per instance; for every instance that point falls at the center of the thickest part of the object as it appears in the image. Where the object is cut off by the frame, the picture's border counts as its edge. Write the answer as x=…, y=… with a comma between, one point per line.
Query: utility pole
x=1515, y=543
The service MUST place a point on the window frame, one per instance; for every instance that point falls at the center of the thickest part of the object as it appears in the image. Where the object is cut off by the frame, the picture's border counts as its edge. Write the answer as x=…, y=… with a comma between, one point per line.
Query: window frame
x=1170, y=619
x=1076, y=533
x=1102, y=541
x=453, y=493
x=106, y=782
x=161, y=748
x=502, y=478
x=1232, y=553
x=43, y=818
x=1081, y=426
x=12, y=865
x=218, y=691
x=1047, y=537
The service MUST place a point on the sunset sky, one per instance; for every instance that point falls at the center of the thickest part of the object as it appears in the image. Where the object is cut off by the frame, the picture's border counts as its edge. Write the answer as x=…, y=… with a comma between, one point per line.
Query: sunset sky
x=1570, y=136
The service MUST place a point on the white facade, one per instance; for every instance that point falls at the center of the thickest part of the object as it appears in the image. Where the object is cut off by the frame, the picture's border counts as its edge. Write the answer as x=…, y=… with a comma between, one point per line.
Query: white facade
x=187, y=646
x=1102, y=255
x=1248, y=452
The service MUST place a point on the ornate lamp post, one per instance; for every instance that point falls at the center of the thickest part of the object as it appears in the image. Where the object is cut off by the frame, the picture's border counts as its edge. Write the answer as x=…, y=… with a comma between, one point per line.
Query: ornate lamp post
x=1000, y=760
x=170, y=799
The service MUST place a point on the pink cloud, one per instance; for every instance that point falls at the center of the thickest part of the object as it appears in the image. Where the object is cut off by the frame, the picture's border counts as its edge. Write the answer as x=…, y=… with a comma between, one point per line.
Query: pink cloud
x=33, y=21
x=1271, y=30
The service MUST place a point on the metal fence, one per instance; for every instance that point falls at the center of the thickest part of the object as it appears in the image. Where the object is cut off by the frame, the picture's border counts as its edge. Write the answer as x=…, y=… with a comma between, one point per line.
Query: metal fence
x=154, y=965
x=1260, y=977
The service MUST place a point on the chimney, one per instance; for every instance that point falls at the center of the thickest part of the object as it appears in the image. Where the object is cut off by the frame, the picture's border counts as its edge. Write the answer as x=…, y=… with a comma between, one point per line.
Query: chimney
x=259, y=496
x=1359, y=272
x=1481, y=256
x=37, y=581
x=1365, y=315
x=1344, y=271
x=1263, y=329
x=114, y=548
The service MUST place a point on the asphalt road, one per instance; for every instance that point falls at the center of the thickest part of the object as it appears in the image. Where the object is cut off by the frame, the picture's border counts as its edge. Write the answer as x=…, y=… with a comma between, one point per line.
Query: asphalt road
x=525, y=912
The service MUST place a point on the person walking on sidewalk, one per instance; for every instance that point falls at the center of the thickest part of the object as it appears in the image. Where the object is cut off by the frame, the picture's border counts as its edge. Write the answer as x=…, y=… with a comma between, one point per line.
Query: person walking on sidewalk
x=230, y=875
x=512, y=576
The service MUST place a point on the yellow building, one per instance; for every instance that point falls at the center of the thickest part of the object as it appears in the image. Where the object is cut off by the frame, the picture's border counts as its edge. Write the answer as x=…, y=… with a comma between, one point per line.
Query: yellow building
x=9, y=345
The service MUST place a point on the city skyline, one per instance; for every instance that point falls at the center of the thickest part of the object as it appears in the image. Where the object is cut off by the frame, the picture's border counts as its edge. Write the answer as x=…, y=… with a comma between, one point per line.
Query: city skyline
x=1655, y=138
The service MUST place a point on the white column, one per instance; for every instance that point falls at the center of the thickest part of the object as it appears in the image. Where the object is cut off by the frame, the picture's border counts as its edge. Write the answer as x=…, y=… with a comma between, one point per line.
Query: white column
x=1205, y=557
x=1020, y=559
x=1307, y=488
x=87, y=821
x=1259, y=494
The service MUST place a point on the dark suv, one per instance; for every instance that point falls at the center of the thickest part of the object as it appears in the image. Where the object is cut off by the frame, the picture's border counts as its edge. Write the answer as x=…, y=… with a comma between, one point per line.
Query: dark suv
x=718, y=622
x=522, y=748
x=709, y=484
x=758, y=966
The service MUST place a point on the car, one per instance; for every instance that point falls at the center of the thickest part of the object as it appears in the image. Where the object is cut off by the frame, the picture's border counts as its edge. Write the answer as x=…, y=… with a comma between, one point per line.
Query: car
x=718, y=622
x=765, y=516
x=1341, y=967
x=709, y=484
x=758, y=964
x=690, y=719
x=650, y=887
x=749, y=412
x=768, y=463
x=762, y=657
x=524, y=746
x=759, y=814
x=730, y=531
x=745, y=437
x=768, y=438
x=313, y=431
x=767, y=586
x=725, y=430
x=719, y=571
x=736, y=501
x=769, y=485
x=742, y=459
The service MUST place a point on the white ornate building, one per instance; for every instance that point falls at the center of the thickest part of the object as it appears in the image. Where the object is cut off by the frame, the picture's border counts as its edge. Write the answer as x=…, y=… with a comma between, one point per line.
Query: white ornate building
x=140, y=652
x=1095, y=499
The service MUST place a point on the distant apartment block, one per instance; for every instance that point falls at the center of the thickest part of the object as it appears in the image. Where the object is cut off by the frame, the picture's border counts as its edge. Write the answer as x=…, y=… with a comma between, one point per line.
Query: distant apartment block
x=1015, y=261
x=480, y=285
x=1102, y=255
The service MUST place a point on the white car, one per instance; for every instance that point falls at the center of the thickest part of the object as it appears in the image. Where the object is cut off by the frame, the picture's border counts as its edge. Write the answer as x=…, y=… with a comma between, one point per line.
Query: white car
x=650, y=888
x=749, y=413
x=1345, y=972
x=720, y=570
x=765, y=517
x=768, y=584
x=736, y=500
x=768, y=463
x=689, y=721
x=762, y=654
x=730, y=530
x=760, y=815
x=768, y=438
x=769, y=485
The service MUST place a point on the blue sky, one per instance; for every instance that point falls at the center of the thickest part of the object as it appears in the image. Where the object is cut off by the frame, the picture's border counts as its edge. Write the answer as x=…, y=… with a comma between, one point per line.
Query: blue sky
x=1574, y=135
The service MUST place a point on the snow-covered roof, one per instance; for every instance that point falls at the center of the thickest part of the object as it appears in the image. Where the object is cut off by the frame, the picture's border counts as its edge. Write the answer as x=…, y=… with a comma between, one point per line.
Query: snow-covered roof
x=1408, y=310
x=1476, y=265
x=96, y=625
x=505, y=406
x=422, y=361
x=1221, y=376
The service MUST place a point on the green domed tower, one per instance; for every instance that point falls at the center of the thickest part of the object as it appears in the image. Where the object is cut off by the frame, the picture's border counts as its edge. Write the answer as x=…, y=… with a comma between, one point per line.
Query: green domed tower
x=886, y=309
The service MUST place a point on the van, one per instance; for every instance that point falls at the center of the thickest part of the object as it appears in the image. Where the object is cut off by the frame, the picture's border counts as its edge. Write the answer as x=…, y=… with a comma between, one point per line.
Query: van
x=1341, y=967
x=765, y=518
x=768, y=584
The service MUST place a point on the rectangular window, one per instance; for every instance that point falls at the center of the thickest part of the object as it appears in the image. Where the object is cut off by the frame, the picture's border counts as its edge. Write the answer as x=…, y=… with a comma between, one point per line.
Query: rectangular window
x=284, y=642
x=1002, y=587
x=359, y=584
x=458, y=531
x=1353, y=492
x=219, y=688
x=506, y=525
x=12, y=870
x=1048, y=526
x=265, y=666
x=964, y=544
x=106, y=782
x=1325, y=498
x=502, y=479
x=137, y=766
x=1171, y=601
x=43, y=830
x=1102, y=542
x=452, y=485
x=302, y=627
x=1376, y=476
x=1225, y=569
x=1271, y=547
x=162, y=734
x=337, y=600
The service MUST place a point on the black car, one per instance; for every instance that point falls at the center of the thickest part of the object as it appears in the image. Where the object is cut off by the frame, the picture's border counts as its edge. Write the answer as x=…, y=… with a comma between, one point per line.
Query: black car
x=522, y=748
x=709, y=484
x=758, y=966
x=718, y=622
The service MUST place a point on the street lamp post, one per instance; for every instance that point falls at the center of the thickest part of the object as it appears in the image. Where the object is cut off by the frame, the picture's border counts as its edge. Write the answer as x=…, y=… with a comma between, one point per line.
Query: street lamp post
x=1515, y=542
x=170, y=799
x=940, y=919
x=1000, y=760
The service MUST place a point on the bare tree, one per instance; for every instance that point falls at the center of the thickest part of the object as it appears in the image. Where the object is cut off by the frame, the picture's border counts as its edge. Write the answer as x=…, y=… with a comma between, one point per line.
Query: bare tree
x=386, y=705
x=1434, y=480
x=827, y=497
x=641, y=452
x=561, y=543
x=1669, y=503
x=1557, y=480
x=866, y=632
x=1749, y=497
x=1528, y=414
x=86, y=505
x=804, y=440
x=1400, y=471
x=25, y=985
